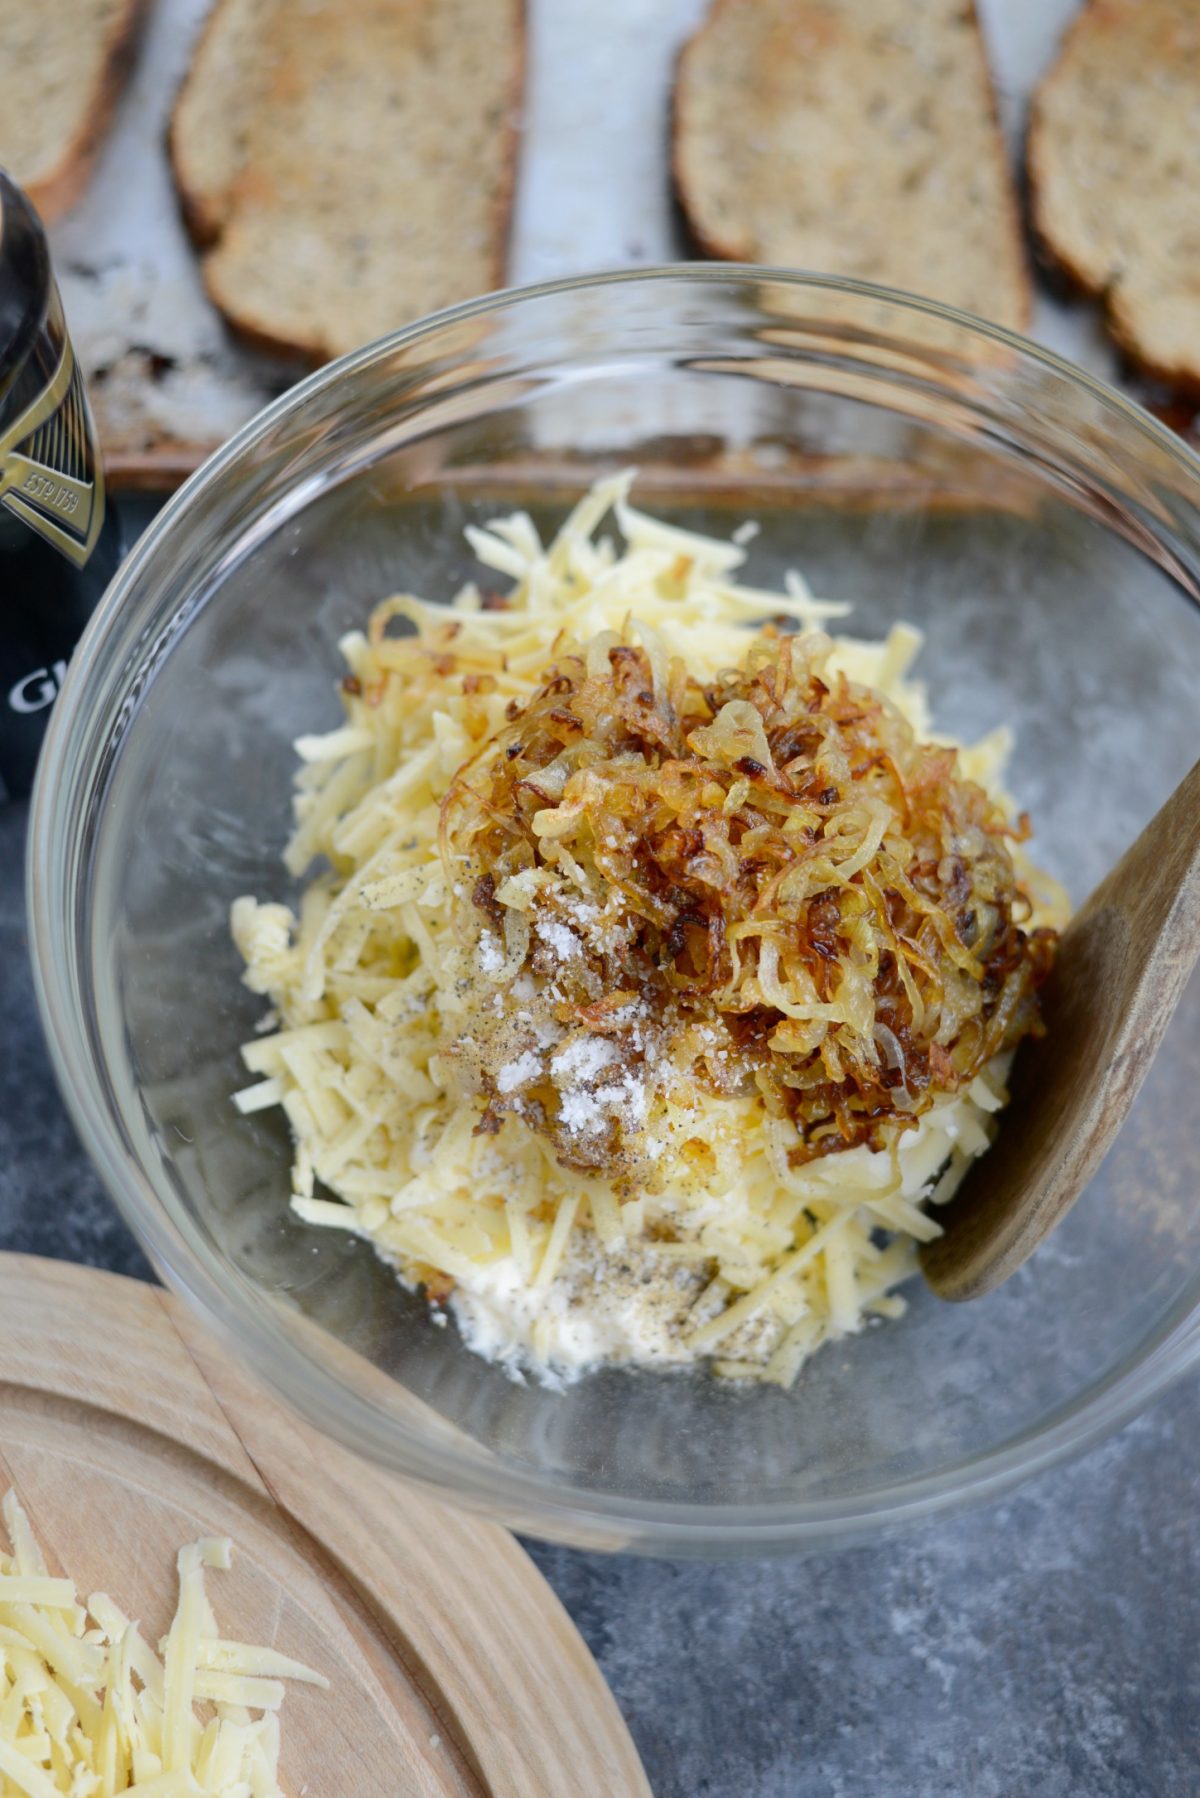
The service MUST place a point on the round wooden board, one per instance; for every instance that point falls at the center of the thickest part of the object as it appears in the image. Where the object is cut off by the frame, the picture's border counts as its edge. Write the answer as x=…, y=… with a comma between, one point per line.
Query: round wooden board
x=454, y=1669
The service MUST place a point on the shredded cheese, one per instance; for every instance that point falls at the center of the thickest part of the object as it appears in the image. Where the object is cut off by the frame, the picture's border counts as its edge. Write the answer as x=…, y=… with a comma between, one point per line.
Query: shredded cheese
x=719, y=1245
x=87, y=1709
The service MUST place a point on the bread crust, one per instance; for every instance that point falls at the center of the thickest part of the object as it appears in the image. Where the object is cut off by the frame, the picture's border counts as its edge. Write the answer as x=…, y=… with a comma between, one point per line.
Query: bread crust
x=202, y=225
x=206, y=228
x=1036, y=138
x=56, y=192
x=1013, y=219
x=1182, y=377
x=707, y=242
x=743, y=249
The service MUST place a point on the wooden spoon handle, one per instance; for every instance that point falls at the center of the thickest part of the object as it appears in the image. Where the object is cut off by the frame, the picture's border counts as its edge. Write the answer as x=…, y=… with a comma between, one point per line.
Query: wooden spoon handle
x=1121, y=969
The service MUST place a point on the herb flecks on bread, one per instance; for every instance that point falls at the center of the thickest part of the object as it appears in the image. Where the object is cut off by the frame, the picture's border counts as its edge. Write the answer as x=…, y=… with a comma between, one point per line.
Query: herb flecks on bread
x=349, y=167
x=1114, y=173
x=852, y=137
x=64, y=66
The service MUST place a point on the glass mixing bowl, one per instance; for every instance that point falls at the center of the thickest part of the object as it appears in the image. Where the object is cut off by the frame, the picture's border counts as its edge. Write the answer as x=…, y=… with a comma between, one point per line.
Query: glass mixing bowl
x=1042, y=531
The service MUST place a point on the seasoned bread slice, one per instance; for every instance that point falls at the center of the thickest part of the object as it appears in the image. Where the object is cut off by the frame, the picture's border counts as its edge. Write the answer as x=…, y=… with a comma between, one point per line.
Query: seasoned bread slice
x=1114, y=174
x=63, y=67
x=348, y=164
x=852, y=137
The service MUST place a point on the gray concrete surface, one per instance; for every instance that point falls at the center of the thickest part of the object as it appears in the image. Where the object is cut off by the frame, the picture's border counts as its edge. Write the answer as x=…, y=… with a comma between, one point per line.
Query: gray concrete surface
x=1047, y=1646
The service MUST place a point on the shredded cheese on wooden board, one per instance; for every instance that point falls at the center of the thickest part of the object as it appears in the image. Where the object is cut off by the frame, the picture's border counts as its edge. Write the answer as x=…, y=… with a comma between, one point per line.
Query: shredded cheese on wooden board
x=89, y=1710
x=741, y=1257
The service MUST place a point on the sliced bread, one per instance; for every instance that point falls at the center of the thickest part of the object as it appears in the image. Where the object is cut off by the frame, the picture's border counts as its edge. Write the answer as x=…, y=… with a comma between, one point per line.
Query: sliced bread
x=62, y=67
x=348, y=166
x=852, y=137
x=1114, y=174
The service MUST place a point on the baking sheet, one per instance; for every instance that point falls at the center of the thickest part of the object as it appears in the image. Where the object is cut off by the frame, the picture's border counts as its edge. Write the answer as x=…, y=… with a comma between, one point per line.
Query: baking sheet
x=593, y=192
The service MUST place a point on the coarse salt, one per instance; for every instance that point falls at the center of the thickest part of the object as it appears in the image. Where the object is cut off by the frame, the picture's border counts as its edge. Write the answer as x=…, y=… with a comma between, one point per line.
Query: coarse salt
x=583, y=1059
x=491, y=955
x=517, y=1073
x=559, y=938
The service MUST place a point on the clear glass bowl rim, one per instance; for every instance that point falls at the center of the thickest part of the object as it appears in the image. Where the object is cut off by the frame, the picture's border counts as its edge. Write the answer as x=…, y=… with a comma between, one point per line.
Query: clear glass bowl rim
x=584, y=1518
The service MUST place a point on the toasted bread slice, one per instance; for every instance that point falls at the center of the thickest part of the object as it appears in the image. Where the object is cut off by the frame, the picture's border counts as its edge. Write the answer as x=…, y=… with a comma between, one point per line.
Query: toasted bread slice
x=349, y=166
x=64, y=66
x=852, y=137
x=1114, y=174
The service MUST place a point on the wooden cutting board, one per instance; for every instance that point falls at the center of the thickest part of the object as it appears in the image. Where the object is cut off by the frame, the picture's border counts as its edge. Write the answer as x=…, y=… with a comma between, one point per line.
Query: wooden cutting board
x=127, y=1432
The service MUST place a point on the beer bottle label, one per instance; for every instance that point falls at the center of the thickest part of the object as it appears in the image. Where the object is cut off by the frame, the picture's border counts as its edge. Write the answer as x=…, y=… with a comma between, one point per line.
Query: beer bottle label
x=50, y=476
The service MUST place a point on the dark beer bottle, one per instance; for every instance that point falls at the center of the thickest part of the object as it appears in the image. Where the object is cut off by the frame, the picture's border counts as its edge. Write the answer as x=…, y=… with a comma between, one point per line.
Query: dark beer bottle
x=59, y=542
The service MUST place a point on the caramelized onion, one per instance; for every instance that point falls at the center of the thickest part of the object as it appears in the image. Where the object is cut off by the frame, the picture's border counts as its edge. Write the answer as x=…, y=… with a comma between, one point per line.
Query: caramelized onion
x=781, y=860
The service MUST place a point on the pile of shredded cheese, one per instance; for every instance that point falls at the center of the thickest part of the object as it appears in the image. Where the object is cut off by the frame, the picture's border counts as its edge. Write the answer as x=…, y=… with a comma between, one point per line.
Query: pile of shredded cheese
x=421, y=1046
x=87, y=1709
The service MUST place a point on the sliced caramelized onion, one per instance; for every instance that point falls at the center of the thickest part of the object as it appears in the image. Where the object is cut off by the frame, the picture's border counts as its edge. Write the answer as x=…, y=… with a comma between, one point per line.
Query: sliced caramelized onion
x=777, y=858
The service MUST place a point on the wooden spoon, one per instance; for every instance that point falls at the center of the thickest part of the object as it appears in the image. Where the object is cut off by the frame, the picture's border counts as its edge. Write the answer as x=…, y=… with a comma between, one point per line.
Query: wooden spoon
x=1121, y=967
